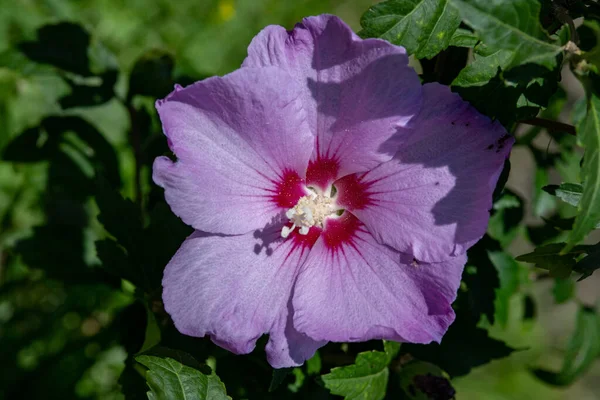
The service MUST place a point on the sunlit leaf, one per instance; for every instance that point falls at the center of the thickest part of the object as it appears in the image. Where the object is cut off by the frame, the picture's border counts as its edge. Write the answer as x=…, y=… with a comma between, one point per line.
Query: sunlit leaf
x=423, y=27
x=170, y=380
x=567, y=192
x=511, y=25
x=366, y=379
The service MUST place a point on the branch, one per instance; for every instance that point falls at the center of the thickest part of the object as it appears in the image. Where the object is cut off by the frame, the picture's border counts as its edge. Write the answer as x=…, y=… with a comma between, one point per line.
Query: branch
x=553, y=126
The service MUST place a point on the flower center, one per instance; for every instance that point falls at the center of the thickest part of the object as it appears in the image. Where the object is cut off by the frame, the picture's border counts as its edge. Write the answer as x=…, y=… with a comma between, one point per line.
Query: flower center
x=311, y=210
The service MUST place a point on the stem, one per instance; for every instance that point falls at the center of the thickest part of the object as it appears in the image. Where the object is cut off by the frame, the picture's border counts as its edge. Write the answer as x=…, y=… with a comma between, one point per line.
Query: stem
x=553, y=126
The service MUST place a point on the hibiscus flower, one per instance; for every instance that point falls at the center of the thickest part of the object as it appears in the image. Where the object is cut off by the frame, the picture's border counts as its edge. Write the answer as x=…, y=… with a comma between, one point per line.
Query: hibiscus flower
x=333, y=195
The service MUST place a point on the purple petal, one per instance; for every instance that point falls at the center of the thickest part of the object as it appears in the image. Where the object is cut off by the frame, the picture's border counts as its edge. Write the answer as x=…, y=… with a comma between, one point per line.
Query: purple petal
x=287, y=347
x=242, y=144
x=237, y=288
x=351, y=288
x=433, y=199
x=357, y=93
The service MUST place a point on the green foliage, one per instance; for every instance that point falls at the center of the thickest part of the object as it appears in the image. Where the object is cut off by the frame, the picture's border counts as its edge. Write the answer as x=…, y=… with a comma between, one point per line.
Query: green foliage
x=568, y=192
x=366, y=379
x=582, y=351
x=422, y=381
x=423, y=27
x=85, y=234
x=589, y=207
x=169, y=379
x=551, y=257
x=511, y=25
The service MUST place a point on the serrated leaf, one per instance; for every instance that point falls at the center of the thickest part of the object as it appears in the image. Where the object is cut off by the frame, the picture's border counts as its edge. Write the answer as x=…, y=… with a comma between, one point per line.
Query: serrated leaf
x=568, y=192
x=366, y=379
x=511, y=25
x=423, y=27
x=589, y=206
x=551, y=257
x=170, y=380
x=482, y=69
x=582, y=351
x=464, y=38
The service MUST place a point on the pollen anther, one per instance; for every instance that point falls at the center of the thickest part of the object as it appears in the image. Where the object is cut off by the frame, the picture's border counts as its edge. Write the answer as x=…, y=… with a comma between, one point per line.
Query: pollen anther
x=311, y=210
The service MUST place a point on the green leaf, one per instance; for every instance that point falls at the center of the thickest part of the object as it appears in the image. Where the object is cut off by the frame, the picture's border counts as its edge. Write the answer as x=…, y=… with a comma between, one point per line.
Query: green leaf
x=589, y=206
x=170, y=380
x=278, y=377
x=64, y=45
x=152, y=75
x=507, y=213
x=464, y=38
x=582, y=351
x=425, y=381
x=568, y=192
x=587, y=265
x=313, y=364
x=563, y=290
x=508, y=271
x=550, y=257
x=482, y=69
x=423, y=27
x=367, y=378
x=482, y=279
x=511, y=25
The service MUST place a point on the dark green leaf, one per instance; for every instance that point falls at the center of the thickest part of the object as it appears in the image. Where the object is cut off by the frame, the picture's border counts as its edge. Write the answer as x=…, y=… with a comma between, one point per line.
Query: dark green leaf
x=499, y=189
x=551, y=257
x=464, y=38
x=64, y=45
x=423, y=27
x=589, y=207
x=279, y=376
x=508, y=211
x=590, y=263
x=511, y=25
x=93, y=94
x=170, y=380
x=483, y=69
x=482, y=279
x=152, y=75
x=567, y=192
x=583, y=349
x=464, y=347
x=425, y=381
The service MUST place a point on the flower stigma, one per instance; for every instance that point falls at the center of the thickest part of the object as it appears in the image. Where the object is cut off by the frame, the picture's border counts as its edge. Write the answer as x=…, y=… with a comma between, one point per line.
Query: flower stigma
x=311, y=210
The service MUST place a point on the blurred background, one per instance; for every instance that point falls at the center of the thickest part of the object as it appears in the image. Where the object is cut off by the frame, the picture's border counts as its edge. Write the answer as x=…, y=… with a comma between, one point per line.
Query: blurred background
x=64, y=329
